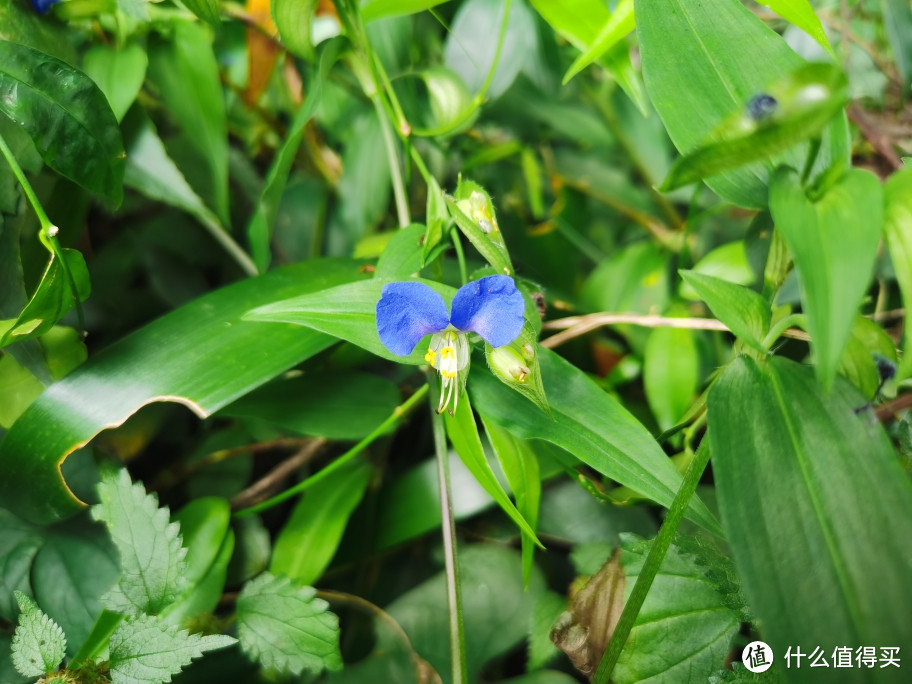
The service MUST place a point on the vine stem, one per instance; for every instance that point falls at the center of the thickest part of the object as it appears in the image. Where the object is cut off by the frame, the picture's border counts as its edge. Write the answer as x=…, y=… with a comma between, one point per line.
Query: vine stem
x=448, y=526
x=652, y=563
x=402, y=209
x=398, y=414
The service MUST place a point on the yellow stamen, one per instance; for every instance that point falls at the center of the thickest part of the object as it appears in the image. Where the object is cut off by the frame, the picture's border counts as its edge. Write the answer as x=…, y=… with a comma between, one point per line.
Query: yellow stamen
x=430, y=357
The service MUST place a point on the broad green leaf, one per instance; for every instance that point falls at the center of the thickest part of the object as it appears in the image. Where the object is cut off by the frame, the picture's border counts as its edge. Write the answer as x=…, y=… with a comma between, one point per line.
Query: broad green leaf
x=294, y=21
x=375, y=9
x=744, y=311
x=801, y=14
x=19, y=389
x=153, y=173
x=472, y=209
x=207, y=10
x=671, y=374
x=119, y=73
x=308, y=541
x=67, y=117
x=591, y=425
x=204, y=525
x=684, y=629
x=284, y=627
x=435, y=101
x=403, y=256
x=38, y=642
x=518, y=462
x=897, y=20
x=153, y=571
x=496, y=609
x=19, y=23
x=473, y=42
x=335, y=405
x=19, y=543
x=727, y=262
x=548, y=607
x=898, y=234
x=463, y=434
x=794, y=463
x=834, y=244
x=619, y=24
x=859, y=363
x=53, y=298
x=347, y=312
x=186, y=74
x=202, y=355
x=726, y=56
x=802, y=104
x=75, y=566
x=259, y=230
x=145, y=650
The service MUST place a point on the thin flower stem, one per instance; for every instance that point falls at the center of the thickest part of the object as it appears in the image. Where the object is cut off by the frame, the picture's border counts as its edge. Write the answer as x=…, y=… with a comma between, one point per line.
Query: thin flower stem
x=397, y=415
x=402, y=209
x=782, y=328
x=448, y=527
x=652, y=563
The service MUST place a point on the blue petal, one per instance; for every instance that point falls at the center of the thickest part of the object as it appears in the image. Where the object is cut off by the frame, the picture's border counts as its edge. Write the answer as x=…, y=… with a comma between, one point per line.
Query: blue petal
x=43, y=6
x=491, y=307
x=407, y=312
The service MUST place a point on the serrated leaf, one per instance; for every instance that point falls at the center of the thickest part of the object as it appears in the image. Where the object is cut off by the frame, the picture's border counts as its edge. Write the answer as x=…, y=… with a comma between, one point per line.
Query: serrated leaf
x=284, y=627
x=38, y=642
x=151, y=556
x=145, y=650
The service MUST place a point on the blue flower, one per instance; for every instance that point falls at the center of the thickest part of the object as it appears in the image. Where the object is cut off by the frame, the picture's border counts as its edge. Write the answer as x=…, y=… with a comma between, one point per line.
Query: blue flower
x=407, y=312
x=43, y=6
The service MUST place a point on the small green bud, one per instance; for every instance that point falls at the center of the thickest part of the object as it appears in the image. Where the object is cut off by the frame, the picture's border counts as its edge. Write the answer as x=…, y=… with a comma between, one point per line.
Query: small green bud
x=509, y=363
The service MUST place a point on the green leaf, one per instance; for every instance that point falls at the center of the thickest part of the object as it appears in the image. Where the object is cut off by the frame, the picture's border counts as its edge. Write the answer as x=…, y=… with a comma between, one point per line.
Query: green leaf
x=516, y=365
x=898, y=234
x=202, y=355
x=619, y=24
x=259, y=230
x=67, y=117
x=671, y=374
x=725, y=56
x=684, y=618
x=204, y=525
x=375, y=9
x=803, y=103
x=38, y=642
x=437, y=216
x=728, y=262
x=403, y=256
x=744, y=311
x=53, y=298
x=463, y=434
x=294, y=20
x=19, y=389
x=518, y=462
x=834, y=244
x=496, y=608
x=435, y=101
x=335, y=405
x=207, y=10
x=308, y=541
x=347, y=312
x=153, y=571
x=118, y=72
x=858, y=363
x=545, y=612
x=801, y=14
x=794, y=463
x=592, y=426
x=473, y=211
x=187, y=76
x=19, y=543
x=897, y=20
x=285, y=628
x=145, y=650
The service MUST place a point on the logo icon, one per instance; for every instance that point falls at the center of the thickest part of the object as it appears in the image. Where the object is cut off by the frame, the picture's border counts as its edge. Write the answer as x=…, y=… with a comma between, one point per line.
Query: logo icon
x=757, y=656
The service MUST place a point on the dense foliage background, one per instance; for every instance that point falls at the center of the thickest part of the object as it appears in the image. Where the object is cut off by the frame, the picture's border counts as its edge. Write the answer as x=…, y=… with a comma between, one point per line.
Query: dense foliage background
x=206, y=448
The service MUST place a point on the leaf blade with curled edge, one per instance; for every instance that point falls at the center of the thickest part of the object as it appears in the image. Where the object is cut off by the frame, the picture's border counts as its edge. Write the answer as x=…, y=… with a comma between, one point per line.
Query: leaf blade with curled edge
x=805, y=102
x=151, y=555
x=273, y=611
x=38, y=642
x=145, y=650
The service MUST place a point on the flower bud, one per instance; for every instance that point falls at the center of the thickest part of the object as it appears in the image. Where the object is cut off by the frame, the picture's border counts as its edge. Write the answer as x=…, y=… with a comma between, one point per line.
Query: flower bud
x=509, y=363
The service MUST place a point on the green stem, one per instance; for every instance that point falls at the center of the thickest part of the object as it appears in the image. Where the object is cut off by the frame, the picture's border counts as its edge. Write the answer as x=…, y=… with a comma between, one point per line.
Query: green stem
x=796, y=320
x=97, y=641
x=811, y=158
x=402, y=210
x=398, y=414
x=652, y=563
x=460, y=255
x=454, y=591
x=47, y=233
x=479, y=98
